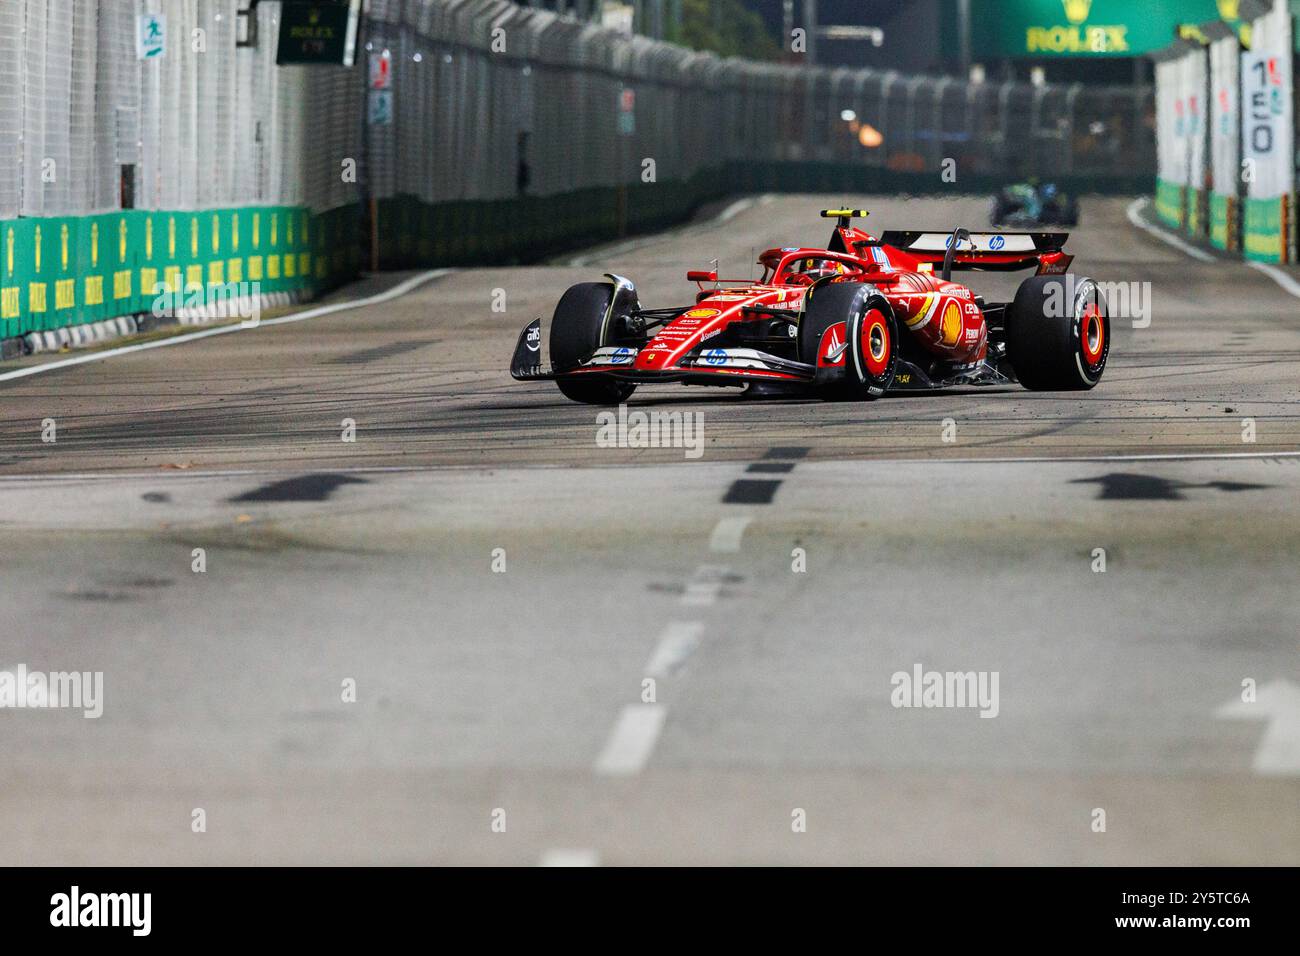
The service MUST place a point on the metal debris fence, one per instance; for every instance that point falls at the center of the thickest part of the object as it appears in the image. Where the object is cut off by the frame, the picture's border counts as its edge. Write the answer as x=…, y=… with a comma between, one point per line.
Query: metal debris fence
x=514, y=132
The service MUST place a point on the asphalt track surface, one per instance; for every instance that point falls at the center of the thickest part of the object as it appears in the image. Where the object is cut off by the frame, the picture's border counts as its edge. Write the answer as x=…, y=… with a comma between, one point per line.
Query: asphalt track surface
x=485, y=696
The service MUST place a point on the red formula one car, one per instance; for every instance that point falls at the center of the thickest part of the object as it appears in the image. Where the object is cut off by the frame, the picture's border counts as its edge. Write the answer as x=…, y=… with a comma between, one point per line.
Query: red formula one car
x=860, y=318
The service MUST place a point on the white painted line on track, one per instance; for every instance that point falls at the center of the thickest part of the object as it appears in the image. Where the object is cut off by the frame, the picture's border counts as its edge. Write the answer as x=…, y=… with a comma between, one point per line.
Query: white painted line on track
x=1278, y=704
x=178, y=475
x=1135, y=217
x=396, y=291
x=735, y=209
x=569, y=857
x=705, y=584
x=727, y=534
x=1287, y=283
x=725, y=216
x=678, y=641
x=632, y=741
x=1097, y=459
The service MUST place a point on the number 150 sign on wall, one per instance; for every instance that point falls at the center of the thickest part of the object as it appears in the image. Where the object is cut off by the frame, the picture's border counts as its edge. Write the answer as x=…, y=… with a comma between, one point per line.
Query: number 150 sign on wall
x=1266, y=131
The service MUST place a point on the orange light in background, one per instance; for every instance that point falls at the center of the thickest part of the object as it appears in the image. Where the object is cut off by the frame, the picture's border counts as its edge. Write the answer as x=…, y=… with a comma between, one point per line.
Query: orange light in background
x=869, y=136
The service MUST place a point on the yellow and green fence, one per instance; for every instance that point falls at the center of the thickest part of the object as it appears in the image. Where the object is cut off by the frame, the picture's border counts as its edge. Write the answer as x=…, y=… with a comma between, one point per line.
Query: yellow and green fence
x=62, y=271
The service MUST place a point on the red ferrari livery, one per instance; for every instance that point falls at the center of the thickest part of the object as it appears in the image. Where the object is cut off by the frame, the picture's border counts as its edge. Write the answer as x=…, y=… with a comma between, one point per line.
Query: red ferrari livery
x=860, y=318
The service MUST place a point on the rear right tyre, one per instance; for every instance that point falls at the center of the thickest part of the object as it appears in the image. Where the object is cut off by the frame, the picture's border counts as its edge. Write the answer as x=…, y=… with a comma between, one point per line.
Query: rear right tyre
x=1058, y=333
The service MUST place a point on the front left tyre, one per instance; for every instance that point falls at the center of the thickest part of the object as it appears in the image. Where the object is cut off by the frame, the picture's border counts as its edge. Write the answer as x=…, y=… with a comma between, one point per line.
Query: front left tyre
x=578, y=328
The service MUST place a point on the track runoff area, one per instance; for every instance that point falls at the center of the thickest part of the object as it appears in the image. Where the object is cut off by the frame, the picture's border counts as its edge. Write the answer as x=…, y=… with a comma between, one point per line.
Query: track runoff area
x=344, y=571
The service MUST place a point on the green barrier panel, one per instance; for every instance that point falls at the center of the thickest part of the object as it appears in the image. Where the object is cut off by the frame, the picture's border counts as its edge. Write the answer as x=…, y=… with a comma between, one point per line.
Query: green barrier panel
x=1262, y=230
x=60, y=271
x=1169, y=203
x=1219, y=221
x=1197, y=223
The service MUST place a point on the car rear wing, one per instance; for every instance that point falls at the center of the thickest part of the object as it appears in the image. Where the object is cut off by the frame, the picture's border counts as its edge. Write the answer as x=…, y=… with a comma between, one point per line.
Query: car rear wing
x=1000, y=251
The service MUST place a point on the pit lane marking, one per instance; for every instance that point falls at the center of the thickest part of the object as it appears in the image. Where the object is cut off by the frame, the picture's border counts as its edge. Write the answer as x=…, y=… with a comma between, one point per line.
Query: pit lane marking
x=387, y=295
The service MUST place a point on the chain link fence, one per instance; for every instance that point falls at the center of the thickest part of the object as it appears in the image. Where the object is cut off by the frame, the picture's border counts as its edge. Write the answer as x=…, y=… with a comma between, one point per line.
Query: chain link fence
x=491, y=99
x=483, y=87
x=86, y=127
x=513, y=132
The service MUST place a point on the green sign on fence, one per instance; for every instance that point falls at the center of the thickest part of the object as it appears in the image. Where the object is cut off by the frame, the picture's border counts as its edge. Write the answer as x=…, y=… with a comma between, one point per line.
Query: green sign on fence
x=1052, y=28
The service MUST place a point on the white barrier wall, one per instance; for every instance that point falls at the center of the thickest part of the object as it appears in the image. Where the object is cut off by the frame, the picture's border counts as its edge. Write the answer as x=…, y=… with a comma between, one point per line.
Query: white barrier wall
x=1225, y=138
x=1268, y=135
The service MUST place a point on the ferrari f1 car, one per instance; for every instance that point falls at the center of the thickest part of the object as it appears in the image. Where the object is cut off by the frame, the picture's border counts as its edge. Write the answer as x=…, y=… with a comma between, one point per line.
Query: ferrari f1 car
x=1034, y=204
x=858, y=319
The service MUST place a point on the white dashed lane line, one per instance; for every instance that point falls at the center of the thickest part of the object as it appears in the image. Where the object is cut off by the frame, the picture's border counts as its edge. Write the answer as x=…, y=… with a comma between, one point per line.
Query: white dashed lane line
x=727, y=534
x=678, y=642
x=569, y=857
x=632, y=741
x=705, y=585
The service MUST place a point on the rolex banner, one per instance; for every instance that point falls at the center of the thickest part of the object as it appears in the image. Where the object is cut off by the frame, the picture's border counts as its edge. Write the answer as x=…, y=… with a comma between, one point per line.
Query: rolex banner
x=1268, y=136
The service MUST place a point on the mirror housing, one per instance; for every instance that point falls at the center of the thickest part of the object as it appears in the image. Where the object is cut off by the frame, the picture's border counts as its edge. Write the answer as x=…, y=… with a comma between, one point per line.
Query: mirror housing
x=702, y=275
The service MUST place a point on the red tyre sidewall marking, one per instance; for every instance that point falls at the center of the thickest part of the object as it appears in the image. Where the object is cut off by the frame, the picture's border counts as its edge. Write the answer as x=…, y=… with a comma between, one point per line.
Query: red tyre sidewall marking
x=875, y=366
x=1092, y=316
